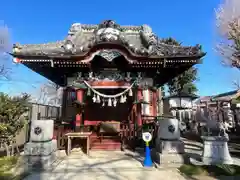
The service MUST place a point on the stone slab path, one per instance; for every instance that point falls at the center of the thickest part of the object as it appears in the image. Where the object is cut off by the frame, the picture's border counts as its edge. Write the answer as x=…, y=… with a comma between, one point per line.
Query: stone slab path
x=115, y=166
x=103, y=166
x=108, y=174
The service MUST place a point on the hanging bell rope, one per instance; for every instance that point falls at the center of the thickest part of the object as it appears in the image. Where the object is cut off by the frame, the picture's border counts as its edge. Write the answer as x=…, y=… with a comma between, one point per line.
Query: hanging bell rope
x=109, y=96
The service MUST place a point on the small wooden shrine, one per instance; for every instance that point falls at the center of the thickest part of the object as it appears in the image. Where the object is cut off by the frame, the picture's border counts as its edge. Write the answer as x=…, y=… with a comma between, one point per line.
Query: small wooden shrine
x=111, y=75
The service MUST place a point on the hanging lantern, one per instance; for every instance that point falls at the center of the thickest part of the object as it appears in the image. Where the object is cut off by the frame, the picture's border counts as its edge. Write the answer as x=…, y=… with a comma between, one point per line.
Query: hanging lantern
x=94, y=98
x=130, y=93
x=121, y=99
x=98, y=99
x=109, y=102
x=89, y=92
x=114, y=102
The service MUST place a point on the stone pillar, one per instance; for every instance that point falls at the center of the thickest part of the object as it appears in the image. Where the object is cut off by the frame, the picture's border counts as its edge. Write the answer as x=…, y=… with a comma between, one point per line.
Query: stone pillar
x=139, y=107
x=79, y=116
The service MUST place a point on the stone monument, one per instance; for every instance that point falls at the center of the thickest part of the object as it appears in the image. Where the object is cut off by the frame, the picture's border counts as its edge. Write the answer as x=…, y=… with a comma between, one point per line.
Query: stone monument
x=41, y=149
x=169, y=147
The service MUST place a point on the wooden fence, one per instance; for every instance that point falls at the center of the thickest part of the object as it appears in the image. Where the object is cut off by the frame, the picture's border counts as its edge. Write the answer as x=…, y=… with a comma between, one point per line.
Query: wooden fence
x=40, y=111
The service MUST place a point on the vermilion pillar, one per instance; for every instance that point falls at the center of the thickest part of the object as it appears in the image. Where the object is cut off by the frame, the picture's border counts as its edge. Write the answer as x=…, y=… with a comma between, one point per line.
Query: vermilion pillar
x=139, y=107
x=79, y=117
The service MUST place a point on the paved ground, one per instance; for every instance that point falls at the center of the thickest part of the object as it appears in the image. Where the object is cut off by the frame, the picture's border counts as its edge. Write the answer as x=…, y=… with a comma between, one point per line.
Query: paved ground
x=104, y=166
x=108, y=174
x=114, y=166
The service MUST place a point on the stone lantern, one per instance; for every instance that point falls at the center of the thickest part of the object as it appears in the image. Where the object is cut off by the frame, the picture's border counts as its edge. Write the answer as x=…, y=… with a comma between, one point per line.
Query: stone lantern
x=179, y=102
x=168, y=144
x=169, y=147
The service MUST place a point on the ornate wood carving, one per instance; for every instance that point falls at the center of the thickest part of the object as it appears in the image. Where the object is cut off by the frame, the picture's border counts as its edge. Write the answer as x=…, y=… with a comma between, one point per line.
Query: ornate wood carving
x=109, y=55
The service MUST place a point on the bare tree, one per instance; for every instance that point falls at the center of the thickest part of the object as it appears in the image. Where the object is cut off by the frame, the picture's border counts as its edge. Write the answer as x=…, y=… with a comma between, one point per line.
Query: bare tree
x=228, y=24
x=49, y=93
x=236, y=84
x=5, y=46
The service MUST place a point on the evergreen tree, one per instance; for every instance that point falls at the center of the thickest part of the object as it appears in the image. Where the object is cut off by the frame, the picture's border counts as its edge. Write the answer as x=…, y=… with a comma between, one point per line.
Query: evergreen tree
x=12, y=117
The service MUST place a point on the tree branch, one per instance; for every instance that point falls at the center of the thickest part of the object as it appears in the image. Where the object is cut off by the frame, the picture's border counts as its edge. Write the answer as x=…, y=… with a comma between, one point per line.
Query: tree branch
x=228, y=25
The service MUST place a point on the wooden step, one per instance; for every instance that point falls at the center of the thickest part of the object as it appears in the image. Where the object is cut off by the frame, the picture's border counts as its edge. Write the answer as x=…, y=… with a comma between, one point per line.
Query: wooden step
x=104, y=140
x=106, y=147
x=105, y=137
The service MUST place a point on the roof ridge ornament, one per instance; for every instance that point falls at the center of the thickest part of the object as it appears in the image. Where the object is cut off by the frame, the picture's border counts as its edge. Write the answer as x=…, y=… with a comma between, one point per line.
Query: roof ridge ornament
x=74, y=29
x=69, y=46
x=108, y=31
x=149, y=39
x=109, y=24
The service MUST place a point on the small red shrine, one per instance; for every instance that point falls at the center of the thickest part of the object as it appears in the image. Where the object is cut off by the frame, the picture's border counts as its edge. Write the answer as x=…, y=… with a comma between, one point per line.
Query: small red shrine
x=111, y=75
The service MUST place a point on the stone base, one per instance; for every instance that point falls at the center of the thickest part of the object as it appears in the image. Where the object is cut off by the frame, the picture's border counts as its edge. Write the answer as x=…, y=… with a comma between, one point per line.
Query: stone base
x=170, y=160
x=212, y=161
x=40, y=162
x=170, y=146
x=170, y=153
x=40, y=148
x=216, y=151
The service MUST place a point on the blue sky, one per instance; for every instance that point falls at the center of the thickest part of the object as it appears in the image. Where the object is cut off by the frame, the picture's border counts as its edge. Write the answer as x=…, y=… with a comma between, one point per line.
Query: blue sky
x=191, y=22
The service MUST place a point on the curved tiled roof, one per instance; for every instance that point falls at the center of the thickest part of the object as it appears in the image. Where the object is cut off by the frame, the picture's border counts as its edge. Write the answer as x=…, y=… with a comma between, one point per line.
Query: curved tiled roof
x=139, y=41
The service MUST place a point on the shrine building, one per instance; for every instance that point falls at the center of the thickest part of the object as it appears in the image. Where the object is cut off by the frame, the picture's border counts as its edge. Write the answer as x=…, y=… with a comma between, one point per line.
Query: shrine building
x=111, y=76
